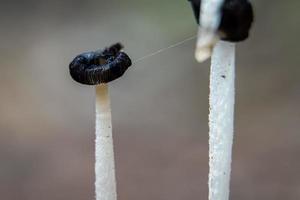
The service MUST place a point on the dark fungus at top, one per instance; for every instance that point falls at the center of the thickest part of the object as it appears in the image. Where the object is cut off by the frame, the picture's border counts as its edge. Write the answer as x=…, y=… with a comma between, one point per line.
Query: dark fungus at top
x=102, y=66
x=236, y=19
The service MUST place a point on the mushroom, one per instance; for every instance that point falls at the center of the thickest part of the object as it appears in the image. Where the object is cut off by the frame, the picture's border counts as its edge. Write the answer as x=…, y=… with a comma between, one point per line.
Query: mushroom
x=228, y=20
x=99, y=68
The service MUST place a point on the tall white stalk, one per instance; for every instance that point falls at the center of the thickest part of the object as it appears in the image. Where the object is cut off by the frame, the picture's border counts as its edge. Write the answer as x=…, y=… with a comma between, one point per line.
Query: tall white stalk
x=221, y=98
x=221, y=119
x=105, y=183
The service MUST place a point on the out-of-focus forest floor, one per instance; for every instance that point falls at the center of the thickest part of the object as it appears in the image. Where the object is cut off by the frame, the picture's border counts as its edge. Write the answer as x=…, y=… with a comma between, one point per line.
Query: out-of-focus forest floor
x=159, y=107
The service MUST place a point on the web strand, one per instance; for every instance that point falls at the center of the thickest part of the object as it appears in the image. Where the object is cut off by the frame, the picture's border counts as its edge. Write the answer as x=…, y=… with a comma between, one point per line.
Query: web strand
x=164, y=49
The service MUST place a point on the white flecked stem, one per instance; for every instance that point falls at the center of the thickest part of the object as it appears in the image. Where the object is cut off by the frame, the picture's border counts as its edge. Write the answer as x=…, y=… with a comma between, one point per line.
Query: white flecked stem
x=105, y=181
x=221, y=119
x=221, y=98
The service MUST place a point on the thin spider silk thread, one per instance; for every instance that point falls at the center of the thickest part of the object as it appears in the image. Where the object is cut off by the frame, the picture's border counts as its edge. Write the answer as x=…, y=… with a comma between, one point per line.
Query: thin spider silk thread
x=164, y=49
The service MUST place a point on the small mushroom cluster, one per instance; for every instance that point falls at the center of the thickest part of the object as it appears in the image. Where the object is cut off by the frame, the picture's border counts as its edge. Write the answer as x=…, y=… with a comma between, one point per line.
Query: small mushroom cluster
x=103, y=66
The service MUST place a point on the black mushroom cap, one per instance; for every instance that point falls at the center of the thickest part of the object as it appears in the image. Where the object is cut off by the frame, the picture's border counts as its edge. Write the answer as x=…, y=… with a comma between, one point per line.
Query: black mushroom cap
x=103, y=66
x=236, y=19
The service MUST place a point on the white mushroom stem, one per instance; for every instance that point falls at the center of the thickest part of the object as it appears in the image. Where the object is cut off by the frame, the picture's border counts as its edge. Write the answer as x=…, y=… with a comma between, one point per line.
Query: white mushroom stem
x=221, y=98
x=105, y=183
x=221, y=119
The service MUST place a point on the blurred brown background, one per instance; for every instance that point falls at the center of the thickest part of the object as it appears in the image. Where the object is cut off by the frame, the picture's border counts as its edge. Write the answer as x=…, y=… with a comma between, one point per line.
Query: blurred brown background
x=160, y=106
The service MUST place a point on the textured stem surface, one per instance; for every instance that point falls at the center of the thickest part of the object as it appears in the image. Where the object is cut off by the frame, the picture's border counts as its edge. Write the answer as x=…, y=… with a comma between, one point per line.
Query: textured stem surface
x=105, y=184
x=221, y=119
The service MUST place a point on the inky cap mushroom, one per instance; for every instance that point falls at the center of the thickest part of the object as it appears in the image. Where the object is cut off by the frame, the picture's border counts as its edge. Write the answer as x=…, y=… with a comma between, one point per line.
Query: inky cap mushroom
x=236, y=19
x=102, y=66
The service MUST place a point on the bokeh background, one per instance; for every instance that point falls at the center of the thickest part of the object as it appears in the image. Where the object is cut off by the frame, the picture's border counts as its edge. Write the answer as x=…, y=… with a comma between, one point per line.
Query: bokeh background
x=159, y=107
